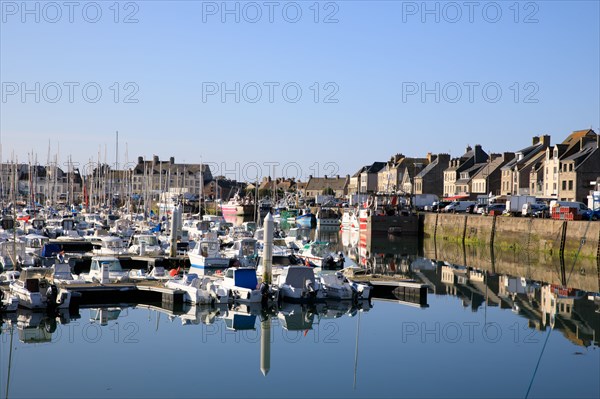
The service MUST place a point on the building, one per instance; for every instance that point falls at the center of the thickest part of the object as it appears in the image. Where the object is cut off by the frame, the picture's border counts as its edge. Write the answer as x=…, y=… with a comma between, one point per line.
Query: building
x=391, y=177
x=40, y=183
x=517, y=172
x=368, y=177
x=489, y=178
x=319, y=185
x=408, y=176
x=157, y=176
x=431, y=179
x=580, y=170
x=222, y=188
x=552, y=163
x=456, y=166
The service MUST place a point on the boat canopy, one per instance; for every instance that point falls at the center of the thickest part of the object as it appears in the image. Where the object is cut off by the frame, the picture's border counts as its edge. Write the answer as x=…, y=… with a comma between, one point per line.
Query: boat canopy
x=245, y=278
x=50, y=250
x=35, y=273
x=297, y=276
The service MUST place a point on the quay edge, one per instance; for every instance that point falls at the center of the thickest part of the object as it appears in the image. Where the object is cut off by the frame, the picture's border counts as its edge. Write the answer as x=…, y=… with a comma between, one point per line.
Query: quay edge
x=553, y=237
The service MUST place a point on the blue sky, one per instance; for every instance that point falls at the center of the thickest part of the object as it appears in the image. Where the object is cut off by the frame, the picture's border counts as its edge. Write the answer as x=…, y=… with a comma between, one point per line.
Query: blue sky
x=367, y=66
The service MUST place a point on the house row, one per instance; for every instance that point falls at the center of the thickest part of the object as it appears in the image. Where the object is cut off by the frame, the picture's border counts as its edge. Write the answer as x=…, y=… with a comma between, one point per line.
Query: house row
x=567, y=171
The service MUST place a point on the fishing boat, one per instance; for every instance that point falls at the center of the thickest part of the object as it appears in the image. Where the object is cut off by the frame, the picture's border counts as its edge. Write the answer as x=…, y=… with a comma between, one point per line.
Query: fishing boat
x=298, y=284
x=242, y=285
x=307, y=219
x=206, y=255
x=349, y=220
x=238, y=206
x=328, y=218
x=34, y=290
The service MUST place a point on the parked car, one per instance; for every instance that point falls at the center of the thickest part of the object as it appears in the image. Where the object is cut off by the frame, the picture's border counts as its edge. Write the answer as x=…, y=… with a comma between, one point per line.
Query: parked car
x=591, y=214
x=460, y=206
x=437, y=206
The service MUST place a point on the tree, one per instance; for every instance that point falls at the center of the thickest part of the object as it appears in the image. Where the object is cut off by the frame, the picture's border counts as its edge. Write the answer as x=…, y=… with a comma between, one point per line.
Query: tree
x=328, y=191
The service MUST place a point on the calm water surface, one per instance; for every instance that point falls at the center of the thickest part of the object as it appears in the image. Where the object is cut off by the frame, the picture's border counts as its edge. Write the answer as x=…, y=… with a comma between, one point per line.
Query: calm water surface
x=503, y=341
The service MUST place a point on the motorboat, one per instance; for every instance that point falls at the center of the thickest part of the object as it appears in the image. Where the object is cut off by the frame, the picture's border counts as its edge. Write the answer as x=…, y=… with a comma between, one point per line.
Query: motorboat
x=319, y=254
x=145, y=245
x=34, y=290
x=112, y=265
x=8, y=303
x=298, y=284
x=61, y=273
x=206, y=255
x=199, y=290
x=243, y=286
x=336, y=286
x=157, y=273
x=109, y=246
x=244, y=250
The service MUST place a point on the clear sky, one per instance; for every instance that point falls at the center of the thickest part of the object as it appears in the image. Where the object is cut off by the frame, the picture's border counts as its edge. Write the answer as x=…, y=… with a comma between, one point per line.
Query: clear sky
x=362, y=68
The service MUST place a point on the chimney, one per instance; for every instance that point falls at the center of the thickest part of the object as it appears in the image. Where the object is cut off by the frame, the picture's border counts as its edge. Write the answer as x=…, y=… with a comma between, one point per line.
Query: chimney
x=156, y=160
x=310, y=177
x=469, y=148
x=172, y=160
x=545, y=139
x=140, y=160
x=429, y=157
x=338, y=177
x=535, y=140
x=508, y=156
x=325, y=177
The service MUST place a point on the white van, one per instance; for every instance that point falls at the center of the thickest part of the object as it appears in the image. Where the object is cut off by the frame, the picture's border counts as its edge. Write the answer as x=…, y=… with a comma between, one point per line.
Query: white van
x=580, y=206
x=460, y=206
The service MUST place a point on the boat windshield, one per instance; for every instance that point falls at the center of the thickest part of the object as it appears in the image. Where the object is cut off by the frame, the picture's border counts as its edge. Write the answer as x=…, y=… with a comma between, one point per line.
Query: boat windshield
x=248, y=248
x=113, y=265
x=209, y=248
x=114, y=244
x=148, y=240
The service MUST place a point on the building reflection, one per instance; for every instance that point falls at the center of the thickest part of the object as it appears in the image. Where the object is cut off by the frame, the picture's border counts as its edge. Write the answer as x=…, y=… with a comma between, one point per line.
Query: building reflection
x=574, y=312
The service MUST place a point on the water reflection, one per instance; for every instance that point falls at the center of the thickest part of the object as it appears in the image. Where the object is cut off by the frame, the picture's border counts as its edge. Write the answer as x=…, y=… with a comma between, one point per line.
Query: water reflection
x=468, y=290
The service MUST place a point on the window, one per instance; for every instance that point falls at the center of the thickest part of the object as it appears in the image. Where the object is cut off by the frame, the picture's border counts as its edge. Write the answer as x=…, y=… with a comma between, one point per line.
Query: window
x=570, y=184
x=570, y=167
x=564, y=185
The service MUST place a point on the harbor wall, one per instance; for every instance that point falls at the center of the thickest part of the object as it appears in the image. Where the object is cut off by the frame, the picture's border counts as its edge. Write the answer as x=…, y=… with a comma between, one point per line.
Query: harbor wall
x=580, y=273
x=550, y=237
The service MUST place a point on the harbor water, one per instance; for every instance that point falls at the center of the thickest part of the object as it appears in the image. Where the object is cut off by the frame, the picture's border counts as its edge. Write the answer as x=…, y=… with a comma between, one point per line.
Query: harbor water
x=482, y=334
